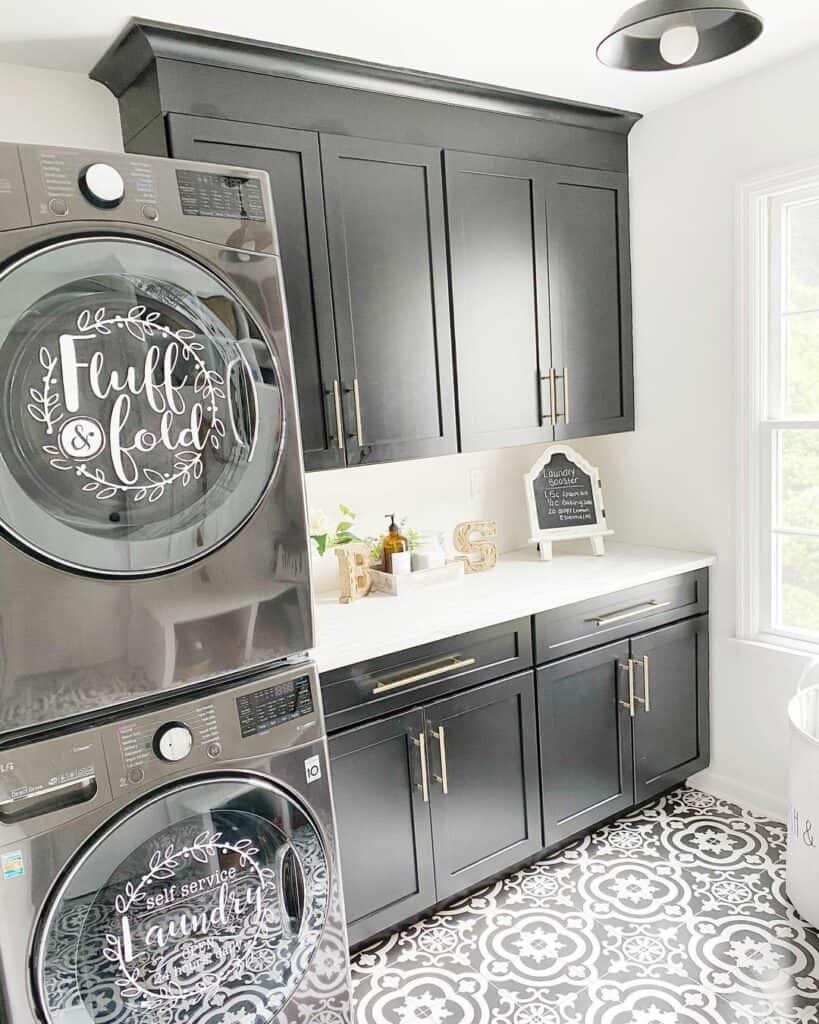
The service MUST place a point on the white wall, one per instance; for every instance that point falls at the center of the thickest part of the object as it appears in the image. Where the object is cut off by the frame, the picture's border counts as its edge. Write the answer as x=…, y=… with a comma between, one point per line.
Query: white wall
x=672, y=482
x=56, y=108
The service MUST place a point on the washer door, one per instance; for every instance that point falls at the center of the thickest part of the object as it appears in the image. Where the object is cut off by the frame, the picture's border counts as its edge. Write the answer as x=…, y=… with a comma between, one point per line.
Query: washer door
x=141, y=414
x=205, y=901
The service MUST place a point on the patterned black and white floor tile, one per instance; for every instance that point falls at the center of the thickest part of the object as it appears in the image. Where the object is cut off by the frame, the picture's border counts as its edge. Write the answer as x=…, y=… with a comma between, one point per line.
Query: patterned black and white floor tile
x=676, y=914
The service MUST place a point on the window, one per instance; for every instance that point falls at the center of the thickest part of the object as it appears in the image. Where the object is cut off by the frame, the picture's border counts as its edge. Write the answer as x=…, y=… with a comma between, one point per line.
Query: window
x=779, y=399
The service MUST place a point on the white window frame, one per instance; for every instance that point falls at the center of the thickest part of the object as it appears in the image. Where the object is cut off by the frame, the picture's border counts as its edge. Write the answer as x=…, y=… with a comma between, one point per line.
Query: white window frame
x=760, y=205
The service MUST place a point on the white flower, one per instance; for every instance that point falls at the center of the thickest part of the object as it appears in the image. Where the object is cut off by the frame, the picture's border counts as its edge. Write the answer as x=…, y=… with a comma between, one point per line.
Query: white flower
x=319, y=523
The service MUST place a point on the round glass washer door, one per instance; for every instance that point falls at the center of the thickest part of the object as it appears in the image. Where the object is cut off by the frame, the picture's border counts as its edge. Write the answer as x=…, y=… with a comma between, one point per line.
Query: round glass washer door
x=208, y=898
x=141, y=414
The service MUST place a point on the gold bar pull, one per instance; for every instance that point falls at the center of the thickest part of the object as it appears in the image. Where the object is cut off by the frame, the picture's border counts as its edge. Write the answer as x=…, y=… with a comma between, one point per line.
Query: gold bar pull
x=452, y=665
x=339, y=424
x=553, y=395
x=646, y=685
x=421, y=743
x=358, y=427
x=629, y=613
x=629, y=667
x=543, y=378
x=565, y=394
x=443, y=777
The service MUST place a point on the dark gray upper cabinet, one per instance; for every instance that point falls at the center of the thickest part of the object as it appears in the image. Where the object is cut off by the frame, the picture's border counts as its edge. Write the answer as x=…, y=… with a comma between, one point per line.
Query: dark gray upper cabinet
x=386, y=233
x=590, y=298
x=539, y=259
x=585, y=740
x=671, y=737
x=292, y=159
x=483, y=752
x=383, y=823
x=497, y=237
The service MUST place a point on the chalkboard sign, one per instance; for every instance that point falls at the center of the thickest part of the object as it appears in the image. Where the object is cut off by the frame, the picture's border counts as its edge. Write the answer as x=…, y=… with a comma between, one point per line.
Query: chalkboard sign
x=565, y=500
x=563, y=495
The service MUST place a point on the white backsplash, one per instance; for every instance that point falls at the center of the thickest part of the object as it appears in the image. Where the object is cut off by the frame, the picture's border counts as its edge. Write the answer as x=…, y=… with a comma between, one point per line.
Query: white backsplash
x=433, y=494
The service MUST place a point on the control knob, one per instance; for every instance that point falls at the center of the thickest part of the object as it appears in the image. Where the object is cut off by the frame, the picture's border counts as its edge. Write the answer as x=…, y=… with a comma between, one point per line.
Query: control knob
x=102, y=185
x=173, y=741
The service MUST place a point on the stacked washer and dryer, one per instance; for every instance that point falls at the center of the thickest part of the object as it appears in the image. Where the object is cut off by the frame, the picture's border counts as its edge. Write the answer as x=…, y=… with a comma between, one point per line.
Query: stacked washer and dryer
x=167, y=842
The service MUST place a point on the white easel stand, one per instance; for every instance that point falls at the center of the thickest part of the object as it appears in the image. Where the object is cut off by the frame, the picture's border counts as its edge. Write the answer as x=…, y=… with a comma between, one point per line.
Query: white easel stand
x=545, y=547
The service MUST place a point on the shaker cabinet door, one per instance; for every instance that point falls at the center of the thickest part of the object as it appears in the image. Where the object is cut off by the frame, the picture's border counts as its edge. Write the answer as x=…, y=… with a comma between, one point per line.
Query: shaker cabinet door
x=386, y=232
x=383, y=823
x=484, y=781
x=585, y=740
x=671, y=738
x=590, y=295
x=498, y=258
x=292, y=160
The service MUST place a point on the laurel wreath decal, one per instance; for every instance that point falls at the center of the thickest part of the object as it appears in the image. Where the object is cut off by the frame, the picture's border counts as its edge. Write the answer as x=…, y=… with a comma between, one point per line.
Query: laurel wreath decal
x=162, y=866
x=208, y=385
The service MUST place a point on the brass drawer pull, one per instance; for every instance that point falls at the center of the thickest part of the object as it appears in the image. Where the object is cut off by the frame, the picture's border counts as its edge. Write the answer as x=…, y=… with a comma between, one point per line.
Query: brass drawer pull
x=629, y=613
x=543, y=379
x=430, y=673
x=443, y=778
x=553, y=396
x=565, y=394
x=421, y=743
x=339, y=424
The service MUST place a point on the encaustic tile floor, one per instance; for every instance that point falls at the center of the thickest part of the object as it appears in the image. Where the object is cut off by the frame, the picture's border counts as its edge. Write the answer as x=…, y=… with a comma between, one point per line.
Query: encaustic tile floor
x=676, y=914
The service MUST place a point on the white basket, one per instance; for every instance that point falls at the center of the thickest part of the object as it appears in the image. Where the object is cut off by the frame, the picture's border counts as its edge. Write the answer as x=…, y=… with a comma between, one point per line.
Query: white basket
x=803, y=819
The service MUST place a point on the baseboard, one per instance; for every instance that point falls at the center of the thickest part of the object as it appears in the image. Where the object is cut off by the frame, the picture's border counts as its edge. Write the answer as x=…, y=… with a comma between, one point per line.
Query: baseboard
x=749, y=797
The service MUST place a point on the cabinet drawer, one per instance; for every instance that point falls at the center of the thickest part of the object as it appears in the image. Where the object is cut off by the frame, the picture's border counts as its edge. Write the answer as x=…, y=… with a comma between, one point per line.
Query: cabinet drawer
x=383, y=685
x=578, y=627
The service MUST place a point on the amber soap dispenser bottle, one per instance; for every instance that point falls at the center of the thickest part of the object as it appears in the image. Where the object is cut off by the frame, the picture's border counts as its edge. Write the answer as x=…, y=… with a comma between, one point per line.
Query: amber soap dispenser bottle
x=394, y=543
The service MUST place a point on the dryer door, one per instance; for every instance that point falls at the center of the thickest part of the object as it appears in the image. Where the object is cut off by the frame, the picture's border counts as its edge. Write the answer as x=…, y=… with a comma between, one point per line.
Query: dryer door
x=141, y=412
x=205, y=903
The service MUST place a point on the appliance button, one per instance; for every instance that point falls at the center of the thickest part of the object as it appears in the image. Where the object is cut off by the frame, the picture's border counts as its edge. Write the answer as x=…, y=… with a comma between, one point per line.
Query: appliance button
x=136, y=775
x=102, y=185
x=214, y=750
x=59, y=207
x=173, y=742
x=150, y=212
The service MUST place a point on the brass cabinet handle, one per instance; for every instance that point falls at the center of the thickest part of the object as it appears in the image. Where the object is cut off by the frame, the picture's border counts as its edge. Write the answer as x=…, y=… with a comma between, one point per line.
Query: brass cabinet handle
x=646, y=685
x=339, y=424
x=452, y=665
x=553, y=396
x=359, y=430
x=629, y=667
x=565, y=394
x=421, y=743
x=543, y=378
x=443, y=777
x=629, y=613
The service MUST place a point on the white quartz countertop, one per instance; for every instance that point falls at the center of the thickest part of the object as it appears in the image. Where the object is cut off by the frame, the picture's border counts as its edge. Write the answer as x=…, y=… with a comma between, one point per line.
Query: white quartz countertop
x=519, y=585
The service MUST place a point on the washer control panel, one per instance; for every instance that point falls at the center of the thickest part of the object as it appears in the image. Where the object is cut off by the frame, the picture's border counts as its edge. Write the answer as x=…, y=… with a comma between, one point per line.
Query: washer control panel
x=264, y=709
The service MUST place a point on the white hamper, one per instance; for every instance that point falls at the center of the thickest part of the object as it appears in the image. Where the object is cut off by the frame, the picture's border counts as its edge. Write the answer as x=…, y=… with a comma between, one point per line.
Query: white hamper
x=803, y=821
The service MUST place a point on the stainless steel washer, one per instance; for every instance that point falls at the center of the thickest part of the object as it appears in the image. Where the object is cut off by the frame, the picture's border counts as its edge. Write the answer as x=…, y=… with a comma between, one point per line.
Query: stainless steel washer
x=167, y=868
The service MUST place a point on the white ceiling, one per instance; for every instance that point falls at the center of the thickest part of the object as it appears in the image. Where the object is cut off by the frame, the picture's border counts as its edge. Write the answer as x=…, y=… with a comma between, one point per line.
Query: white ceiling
x=541, y=45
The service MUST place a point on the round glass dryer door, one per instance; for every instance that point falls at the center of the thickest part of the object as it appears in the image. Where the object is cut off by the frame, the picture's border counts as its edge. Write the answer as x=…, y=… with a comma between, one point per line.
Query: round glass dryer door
x=205, y=901
x=141, y=414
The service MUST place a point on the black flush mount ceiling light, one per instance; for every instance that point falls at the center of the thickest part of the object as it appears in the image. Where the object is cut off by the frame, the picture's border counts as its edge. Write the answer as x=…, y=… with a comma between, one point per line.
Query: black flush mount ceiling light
x=660, y=35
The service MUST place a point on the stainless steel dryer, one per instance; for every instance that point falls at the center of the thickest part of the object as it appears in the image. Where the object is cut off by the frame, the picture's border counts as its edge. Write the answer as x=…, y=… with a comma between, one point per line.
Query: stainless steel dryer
x=151, y=489
x=167, y=868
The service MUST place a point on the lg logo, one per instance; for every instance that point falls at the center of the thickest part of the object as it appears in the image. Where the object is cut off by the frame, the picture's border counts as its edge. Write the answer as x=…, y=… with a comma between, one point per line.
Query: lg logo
x=7, y=767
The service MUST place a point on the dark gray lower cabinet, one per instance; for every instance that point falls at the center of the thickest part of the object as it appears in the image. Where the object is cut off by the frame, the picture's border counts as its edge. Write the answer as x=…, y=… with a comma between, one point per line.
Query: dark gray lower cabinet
x=395, y=818
x=585, y=740
x=599, y=758
x=384, y=828
x=671, y=730
x=484, y=743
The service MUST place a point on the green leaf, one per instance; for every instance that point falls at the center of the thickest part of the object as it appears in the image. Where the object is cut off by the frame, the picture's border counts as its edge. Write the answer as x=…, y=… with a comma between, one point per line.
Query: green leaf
x=321, y=542
x=345, y=511
x=343, y=527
